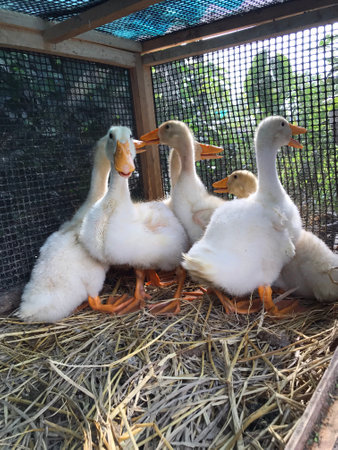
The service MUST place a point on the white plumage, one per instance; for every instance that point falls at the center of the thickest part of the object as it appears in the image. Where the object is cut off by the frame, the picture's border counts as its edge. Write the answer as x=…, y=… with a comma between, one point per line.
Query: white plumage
x=314, y=268
x=249, y=240
x=310, y=270
x=189, y=200
x=65, y=273
x=118, y=231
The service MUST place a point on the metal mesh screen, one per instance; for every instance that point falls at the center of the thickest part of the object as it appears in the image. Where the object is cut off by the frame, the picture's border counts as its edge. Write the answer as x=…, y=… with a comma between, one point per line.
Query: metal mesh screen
x=223, y=95
x=52, y=111
x=156, y=20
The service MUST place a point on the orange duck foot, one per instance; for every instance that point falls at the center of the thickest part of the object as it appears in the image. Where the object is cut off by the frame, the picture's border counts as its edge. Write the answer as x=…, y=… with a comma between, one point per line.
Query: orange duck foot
x=240, y=307
x=119, y=306
x=174, y=306
x=163, y=279
x=283, y=308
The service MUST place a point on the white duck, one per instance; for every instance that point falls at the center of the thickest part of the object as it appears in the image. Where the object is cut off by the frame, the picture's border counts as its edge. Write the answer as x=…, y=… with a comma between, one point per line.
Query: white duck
x=65, y=273
x=249, y=240
x=117, y=231
x=190, y=200
x=313, y=269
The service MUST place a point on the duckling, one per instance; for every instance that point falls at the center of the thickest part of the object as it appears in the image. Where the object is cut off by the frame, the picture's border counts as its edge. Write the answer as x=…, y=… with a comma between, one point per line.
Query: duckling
x=314, y=268
x=248, y=241
x=190, y=201
x=65, y=273
x=144, y=235
x=240, y=183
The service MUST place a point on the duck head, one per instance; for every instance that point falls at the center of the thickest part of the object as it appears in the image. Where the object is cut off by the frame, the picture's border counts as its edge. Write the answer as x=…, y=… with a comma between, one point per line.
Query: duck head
x=173, y=133
x=240, y=183
x=121, y=149
x=170, y=133
x=275, y=131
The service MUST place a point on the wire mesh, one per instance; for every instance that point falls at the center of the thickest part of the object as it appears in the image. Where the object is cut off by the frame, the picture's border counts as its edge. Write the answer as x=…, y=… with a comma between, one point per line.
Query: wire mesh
x=156, y=20
x=52, y=111
x=223, y=95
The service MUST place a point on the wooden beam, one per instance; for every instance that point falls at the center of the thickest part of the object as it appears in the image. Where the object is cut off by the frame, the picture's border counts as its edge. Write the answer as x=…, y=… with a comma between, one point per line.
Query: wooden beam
x=145, y=121
x=24, y=32
x=92, y=18
x=233, y=23
x=271, y=29
x=33, y=23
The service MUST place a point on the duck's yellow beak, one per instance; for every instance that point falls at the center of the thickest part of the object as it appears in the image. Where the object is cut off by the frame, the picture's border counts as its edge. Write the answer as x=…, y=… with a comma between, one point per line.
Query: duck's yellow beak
x=123, y=160
x=295, y=129
x=221, y=186
x=139, y=145
x=210, y=151
x=151, y=138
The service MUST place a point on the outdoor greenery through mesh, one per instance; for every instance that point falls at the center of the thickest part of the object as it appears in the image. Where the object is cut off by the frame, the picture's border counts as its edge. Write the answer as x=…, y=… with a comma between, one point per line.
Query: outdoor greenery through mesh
x=156, y=20
x=223, y=95
x=52, y=111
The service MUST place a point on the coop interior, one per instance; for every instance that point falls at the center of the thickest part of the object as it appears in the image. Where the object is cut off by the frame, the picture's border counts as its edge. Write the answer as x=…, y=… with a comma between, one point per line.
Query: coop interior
x=201, y=378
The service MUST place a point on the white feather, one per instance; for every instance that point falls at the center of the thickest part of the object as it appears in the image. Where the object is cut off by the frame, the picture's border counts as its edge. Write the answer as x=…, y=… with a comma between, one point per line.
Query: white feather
x=65, y=273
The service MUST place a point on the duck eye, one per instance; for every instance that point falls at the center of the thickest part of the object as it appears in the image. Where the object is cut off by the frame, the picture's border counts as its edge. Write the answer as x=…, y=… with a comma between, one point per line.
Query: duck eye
x=110, y=135
x=235, y=176
x=167, y=126
x=283, y=124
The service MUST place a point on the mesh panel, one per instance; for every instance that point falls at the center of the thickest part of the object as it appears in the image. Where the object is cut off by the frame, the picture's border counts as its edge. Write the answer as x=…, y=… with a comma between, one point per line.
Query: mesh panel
x=223, y=95
x=156, y=20
x=52, y=112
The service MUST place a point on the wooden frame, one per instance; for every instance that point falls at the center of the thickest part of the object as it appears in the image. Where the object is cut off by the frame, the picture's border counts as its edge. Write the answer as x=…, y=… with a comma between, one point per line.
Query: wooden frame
x=94, y=17
x=25, y=33
x=145, y=121
x=234, y=23
x=267, y=30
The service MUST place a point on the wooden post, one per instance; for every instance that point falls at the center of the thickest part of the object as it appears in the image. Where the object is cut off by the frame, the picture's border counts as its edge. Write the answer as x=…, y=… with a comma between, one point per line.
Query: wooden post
x=145, y=121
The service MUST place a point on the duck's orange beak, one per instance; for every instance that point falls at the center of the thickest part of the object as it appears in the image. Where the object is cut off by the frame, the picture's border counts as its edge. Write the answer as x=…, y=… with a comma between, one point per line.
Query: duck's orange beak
x=139, y=145
x=123, y=161
x=151, y=138
x=210, y=151
x=221, y=186
x=295, y=129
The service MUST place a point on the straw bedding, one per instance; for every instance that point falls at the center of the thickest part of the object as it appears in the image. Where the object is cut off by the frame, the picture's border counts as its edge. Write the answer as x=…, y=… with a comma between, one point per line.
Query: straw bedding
x=202, y=379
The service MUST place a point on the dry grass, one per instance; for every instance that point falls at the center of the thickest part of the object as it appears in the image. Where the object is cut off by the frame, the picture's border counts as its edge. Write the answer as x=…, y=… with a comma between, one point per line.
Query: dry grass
x=202, y=379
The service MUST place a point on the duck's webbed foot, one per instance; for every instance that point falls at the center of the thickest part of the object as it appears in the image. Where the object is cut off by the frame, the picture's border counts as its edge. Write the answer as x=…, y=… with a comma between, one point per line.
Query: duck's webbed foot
x=174, y=306
x=282, y=308
x=116, y=305
x=162, y=279
x=239, y=307
x=125, y=303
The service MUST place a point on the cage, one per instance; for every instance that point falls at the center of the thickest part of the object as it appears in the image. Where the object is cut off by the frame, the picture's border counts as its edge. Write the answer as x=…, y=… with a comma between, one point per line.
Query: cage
x=70, y=69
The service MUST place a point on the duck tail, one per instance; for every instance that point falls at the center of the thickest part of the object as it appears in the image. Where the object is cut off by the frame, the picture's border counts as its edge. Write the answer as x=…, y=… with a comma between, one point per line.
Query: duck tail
x=196, y=268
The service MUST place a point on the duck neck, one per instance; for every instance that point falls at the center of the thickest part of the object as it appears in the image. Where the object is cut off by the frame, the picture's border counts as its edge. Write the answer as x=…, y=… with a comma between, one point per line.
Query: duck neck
x=268, y=181
x=98, y=183
x=174, y=167
x=186, y=152
x=118, y=188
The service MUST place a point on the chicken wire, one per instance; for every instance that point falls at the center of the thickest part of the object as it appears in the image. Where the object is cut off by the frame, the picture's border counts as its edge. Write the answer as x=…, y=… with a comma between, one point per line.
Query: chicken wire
x=223, y=95
x=53, y=110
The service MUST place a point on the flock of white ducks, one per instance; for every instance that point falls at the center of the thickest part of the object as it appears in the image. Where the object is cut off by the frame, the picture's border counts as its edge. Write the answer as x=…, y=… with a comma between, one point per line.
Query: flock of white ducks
x=234, y=246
